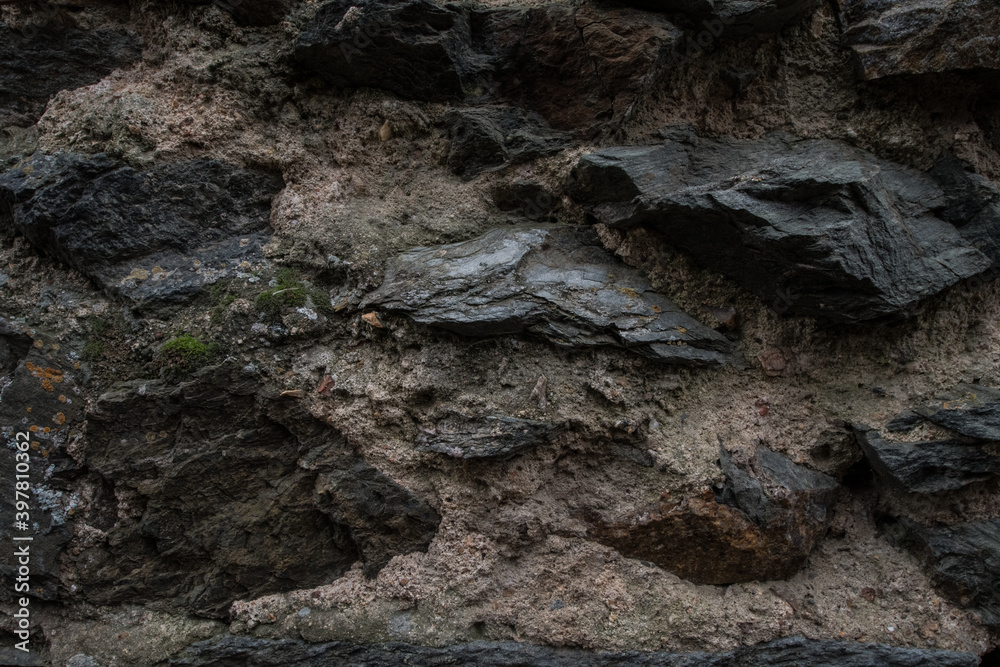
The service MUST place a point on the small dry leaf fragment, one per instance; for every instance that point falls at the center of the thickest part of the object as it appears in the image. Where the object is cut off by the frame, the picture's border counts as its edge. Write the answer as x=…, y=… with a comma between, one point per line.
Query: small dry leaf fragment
x=324, y=386
x=385, y=132
x=372, y=319
x=292, y=393
x=540, y=391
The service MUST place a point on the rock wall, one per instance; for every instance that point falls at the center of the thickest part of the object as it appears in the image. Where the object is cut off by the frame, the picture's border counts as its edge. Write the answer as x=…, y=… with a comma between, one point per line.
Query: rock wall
x=501, y=333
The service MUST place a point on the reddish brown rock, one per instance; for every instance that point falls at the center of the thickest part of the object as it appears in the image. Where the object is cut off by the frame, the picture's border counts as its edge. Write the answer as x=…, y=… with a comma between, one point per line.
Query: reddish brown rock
x=762, y=525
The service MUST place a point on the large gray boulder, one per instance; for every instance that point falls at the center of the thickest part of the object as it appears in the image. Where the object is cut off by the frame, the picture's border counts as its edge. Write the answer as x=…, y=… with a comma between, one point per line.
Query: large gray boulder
x=557, y=283
x=814, y=227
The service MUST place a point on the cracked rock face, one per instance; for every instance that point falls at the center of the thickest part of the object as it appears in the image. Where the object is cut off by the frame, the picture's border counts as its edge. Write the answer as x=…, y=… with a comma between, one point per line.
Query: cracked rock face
x=37, y=64
x=894, y=38
x=814, y=227
x=494, y=436
x=216, y=490
x=557, y=283
x=153, y=237
x=762, y=525
x=579, y=68
x=730, y=18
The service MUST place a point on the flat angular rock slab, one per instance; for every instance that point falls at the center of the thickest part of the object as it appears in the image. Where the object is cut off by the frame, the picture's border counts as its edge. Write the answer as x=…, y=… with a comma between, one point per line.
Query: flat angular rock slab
x=35, y=66
x=153, y=237
x=579, y=67
x=493, y=436
x=762, y=525
x=965, y=559
x=815, y=227
x=892, y=38
x=972, y=204
x=557, y=283
x=253, y=652
x=234, y=493
x=969, y=409
x=929, y=466
x=491, y=137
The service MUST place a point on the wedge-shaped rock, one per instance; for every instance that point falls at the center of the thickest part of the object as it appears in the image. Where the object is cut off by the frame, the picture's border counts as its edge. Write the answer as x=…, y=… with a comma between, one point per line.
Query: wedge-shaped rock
x=724, y=18
x=931, y=466
x=493, y=436
x=37, y=63
x=969, y=409
x=814, y=227
x=233, y=492
x=154, y=237
x=492, y=137
x=580, y=67
x=233, y=649
x=965, y=559
x=890, y=38
x=762, y=525
x=557, y=283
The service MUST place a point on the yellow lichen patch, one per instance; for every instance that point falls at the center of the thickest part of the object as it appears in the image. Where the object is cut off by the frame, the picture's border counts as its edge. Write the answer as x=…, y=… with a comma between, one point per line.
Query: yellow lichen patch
x=62, y=398
x=60, y=418
x=629, y=292
x=137, y=274
x=39, y=344
x=35, y=445
x=681, y=330
x=46, y=429
x=150, y=437
x=29, y=409
x=44, y=453
x=33, y=428
x=46, y=384
x=76, y=365
x=656, y=309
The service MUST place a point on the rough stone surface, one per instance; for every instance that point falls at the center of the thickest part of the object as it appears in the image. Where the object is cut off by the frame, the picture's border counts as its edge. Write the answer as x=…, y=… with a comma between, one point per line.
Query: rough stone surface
x=965, y=558
x=578, y=67
x=557, y=283
x=153, y=237
x=490, y=138
x=217, y=490
x=251, y=12
x=734, y=17
x=890, y=38
x=37, y=65
x=762, y=525
x=813, y=226
x=929, y=466
x=494, y=436
x=968, y=409
x=232, y=650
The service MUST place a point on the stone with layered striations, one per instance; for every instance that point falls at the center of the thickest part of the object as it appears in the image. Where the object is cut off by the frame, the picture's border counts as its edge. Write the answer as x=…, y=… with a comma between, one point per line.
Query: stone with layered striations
x=492, y=436
x=893, y=38
x=814, y=227
x=557, y=283
x=153, y=237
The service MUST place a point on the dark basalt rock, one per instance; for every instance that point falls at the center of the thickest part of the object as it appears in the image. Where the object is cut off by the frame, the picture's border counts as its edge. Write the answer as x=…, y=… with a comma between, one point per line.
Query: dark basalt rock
x=929, y=467
x=891, y=38
x=725, y=18
x=37, y=64
x=494, y=436
x=154, y=237
x=217, y=489
x=557, y=283
x=965, y=559
x=968, y=409
x=579, y=67
x=252, y=652
x=762, y=525
x=492, y=137
x=972, y=204
x=40, y=393
x=815, y=227
x=414, y=48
